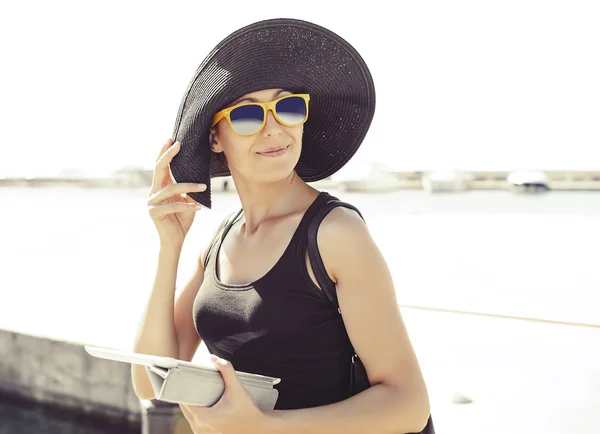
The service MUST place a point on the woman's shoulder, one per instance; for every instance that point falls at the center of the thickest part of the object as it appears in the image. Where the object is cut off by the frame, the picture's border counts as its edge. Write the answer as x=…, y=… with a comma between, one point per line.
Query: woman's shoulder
x=341, y=214
x=343, y=239
x=341, y=222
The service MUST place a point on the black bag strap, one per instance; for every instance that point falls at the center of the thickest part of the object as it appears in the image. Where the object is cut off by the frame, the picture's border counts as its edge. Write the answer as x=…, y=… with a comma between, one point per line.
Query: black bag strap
x=226, y=221
x=326, y=284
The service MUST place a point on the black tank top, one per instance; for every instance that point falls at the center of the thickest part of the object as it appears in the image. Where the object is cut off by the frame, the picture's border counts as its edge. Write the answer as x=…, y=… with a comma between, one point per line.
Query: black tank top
x=281, y=325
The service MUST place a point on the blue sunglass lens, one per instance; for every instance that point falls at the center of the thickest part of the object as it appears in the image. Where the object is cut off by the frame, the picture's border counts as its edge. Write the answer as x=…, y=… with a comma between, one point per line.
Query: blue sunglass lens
x=247, y=119
x=292, y=110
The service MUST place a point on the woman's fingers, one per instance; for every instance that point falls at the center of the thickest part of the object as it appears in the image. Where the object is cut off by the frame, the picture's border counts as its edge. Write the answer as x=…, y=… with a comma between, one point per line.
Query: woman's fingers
x=159, y=212
x=166, y=146
x=161, y=169
x=174, y=189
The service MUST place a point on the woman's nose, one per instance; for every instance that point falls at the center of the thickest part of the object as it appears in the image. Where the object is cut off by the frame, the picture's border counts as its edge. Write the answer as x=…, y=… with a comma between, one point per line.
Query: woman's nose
x=271, y=125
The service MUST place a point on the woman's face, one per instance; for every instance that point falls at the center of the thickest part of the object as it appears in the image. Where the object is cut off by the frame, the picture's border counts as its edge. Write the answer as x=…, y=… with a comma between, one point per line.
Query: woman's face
x=266, y=156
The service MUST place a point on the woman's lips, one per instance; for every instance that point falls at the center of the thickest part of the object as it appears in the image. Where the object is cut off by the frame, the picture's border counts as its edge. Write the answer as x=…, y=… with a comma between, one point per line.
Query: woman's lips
x=274, y=152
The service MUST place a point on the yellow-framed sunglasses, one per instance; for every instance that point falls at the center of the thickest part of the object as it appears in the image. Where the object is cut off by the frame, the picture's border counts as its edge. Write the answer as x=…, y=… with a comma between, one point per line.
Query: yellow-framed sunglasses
x=249, y=118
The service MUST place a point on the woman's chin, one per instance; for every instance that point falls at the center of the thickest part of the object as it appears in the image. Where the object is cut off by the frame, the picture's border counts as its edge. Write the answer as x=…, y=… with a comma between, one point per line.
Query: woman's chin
x=275, y=169
x=270, y=175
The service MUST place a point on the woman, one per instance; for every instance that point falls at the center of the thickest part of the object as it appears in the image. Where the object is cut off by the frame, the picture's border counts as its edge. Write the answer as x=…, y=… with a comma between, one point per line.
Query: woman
x=278, y=104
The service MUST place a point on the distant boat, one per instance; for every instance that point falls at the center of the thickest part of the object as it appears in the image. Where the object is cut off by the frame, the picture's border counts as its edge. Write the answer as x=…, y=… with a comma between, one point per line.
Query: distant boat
x=325, y=184
x=528, y=182
x=450, y=180
x=376, y=179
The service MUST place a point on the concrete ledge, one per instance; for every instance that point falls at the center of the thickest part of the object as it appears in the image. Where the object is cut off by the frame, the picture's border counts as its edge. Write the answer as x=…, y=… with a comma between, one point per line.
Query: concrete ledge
x=20, y=415
x=63, y=374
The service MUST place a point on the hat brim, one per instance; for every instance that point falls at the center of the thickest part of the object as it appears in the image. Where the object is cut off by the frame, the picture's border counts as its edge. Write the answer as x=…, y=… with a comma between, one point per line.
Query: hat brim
x=290, y=54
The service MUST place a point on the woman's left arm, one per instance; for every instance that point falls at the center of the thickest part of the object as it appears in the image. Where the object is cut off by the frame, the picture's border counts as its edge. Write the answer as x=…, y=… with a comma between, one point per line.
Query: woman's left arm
x=398, y=401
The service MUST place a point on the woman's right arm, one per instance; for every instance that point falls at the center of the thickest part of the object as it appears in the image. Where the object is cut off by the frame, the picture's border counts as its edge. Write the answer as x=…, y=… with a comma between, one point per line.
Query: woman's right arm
x=167, y=328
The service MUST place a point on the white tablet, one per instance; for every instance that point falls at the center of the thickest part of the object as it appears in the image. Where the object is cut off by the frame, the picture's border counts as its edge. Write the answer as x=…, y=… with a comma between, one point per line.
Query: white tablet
x=163, y=362
x=131, y=357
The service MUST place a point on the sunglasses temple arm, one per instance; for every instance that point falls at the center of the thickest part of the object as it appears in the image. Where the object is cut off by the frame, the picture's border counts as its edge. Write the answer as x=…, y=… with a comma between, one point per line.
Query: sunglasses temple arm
x=217, y=118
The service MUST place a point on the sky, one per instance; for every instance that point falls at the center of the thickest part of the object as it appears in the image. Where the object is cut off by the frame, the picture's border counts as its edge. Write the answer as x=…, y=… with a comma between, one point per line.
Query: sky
x=461, y=85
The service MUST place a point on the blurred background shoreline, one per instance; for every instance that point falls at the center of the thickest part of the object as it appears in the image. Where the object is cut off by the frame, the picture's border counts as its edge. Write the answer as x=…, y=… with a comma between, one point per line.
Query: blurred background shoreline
x=373, y=177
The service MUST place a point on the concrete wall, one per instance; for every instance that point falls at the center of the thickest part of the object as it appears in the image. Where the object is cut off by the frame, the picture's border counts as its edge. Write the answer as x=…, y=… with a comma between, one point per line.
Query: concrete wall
x=63, y=374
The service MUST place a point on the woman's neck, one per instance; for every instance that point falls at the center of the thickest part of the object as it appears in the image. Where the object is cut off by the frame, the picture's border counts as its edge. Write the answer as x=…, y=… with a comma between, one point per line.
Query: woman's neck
x=270, y=200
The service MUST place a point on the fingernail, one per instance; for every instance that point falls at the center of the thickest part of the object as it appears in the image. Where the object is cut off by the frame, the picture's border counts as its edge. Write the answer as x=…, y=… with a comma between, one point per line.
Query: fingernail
x=218, y=360
x=202, y=187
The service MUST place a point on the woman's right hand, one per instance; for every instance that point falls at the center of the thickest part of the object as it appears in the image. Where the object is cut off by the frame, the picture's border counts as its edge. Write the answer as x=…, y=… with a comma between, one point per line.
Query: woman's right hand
x=171, y=210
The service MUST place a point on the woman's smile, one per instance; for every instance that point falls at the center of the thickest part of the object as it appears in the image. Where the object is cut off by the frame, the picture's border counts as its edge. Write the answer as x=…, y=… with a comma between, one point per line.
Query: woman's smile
x=274, y=151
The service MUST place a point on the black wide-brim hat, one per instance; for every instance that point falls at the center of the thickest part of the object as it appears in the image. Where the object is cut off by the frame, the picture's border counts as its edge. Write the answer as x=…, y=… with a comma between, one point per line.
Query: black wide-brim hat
x=291, y=54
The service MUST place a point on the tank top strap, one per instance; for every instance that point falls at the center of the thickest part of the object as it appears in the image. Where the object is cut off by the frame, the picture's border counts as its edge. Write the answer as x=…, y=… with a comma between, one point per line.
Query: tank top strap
x=231, y=222
x=220, y=234
x=301, y=235
x=309, y=214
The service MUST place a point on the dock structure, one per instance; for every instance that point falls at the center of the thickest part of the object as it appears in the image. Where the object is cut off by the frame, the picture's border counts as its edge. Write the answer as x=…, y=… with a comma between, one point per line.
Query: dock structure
x=378, y=179
x=493, y=180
